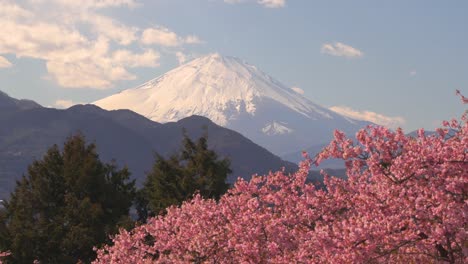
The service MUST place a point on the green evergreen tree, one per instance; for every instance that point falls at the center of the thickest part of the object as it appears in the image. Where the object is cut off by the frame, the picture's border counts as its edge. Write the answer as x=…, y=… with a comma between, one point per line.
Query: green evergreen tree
x=172, y=181
x=204, y=169
x=67, y=203
x=3, y=228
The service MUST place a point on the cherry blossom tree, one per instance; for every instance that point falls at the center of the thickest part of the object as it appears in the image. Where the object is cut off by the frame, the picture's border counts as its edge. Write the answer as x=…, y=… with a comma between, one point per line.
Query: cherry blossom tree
x=3, y=255
x=463, y=98
x=405, y=200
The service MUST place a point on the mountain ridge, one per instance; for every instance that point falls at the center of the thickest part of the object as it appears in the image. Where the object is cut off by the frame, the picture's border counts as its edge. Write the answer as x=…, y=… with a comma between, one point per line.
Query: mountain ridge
x=7, y=102
x=237, y=95
x=125, y=136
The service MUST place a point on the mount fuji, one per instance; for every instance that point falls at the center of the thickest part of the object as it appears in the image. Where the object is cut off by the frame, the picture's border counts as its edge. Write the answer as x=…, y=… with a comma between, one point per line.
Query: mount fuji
x=236, y=95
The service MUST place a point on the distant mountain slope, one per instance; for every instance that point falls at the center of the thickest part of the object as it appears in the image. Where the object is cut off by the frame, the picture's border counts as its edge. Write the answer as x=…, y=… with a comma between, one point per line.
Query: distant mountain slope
x=236, y=95
x=25, y=135
x=7, y=103
x=297, y=157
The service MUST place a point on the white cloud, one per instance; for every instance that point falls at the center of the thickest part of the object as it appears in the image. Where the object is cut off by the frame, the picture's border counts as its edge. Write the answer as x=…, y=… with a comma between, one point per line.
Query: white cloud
x=10, y=10
x=192, y=39
x=388, y=121
x=81, y=47
x=160, y=36
x=413, y=73
x=63, y=104
x=297, y=90
x=98, y=68
x=92, y=4
x=341, y=50
x=72, y=59
x=181, y=57
x=4, y=63
x=114, y=30
x=149, y=58
x=272, y=3
x=265, y=3
x=165, y=37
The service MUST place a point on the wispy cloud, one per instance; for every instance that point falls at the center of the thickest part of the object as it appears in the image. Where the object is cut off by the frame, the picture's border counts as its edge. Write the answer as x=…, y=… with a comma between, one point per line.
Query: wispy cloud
x=265, y=3
x=160, y=36
x=380, y=119
x=192, y=39
x=4, y=63
x=92, y=4
x=297, y=90
x=181, y=57
x=341, y=50
x=81, y=47
x=165, y=37
x=272, y=3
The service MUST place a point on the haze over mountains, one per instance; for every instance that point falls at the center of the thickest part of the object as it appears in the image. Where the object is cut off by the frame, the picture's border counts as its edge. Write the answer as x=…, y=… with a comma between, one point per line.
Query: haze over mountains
x=27, y=130
x=239, y=96
x=230, y=92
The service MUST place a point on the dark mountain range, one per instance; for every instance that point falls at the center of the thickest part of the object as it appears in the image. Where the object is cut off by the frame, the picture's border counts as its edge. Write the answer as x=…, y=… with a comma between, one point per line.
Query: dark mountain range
x=237, y=95
x=27, y=130
x=8, y=103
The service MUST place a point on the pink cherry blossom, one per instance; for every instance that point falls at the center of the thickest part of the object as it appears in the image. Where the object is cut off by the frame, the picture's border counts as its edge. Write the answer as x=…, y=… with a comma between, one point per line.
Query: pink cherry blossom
x=463, y=98
x=404, y=201
x=2, y=255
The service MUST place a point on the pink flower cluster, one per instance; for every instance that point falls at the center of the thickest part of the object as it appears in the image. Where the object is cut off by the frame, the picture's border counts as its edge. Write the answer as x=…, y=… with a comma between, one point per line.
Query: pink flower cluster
x=405, y=200
x=463, y=98
x=2, y=255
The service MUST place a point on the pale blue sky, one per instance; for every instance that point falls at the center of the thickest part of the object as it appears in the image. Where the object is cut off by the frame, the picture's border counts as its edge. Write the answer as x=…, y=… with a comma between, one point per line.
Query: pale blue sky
x=399, y=59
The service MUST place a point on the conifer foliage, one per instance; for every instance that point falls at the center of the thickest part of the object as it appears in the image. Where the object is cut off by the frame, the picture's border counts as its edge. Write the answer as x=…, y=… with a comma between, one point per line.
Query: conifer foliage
x=174, y=180
x=67, y=203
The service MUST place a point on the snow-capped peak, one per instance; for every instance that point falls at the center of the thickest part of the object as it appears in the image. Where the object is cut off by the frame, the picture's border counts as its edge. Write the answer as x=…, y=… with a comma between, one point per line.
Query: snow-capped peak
x=276, y=128
x=237, y=95
x=215, y=86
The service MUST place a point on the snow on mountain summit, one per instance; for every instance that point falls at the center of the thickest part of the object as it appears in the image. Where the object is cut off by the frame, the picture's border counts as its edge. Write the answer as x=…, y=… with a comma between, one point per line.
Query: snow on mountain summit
x=276, y=128
x=214, y=86
x=234, y=94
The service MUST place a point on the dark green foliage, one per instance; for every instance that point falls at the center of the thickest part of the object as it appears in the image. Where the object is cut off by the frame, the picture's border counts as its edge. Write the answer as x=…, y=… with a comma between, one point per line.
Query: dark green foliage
x=67, y=203
x=3, y=229
x=174, y=180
